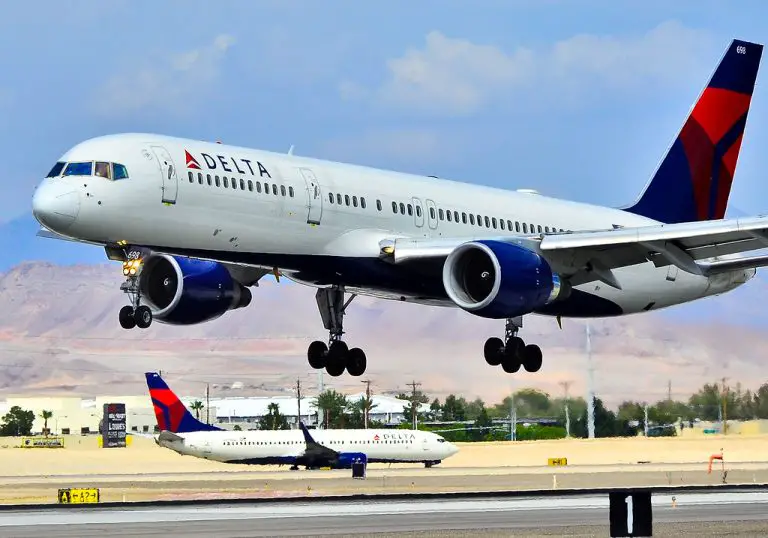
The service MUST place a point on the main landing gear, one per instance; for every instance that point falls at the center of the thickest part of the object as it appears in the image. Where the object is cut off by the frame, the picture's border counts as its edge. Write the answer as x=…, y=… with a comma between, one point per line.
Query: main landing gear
x=336, y=356
x=135, y=314
x=512, y=353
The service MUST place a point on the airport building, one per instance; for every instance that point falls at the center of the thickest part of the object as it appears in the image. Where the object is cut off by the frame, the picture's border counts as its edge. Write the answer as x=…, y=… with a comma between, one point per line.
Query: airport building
x=73, y=415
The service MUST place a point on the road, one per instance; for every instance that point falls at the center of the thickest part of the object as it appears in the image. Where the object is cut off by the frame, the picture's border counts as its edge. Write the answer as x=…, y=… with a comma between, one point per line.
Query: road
x=695, y=514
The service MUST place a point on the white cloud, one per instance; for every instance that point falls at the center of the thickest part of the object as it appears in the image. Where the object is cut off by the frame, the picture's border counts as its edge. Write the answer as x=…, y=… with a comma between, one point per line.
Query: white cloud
x=177, y=79
x=454, y=76
x=415, y=146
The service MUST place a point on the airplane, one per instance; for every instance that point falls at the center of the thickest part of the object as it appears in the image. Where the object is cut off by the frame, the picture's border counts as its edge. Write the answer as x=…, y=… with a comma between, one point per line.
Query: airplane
x=338, y=449
x=197, y=224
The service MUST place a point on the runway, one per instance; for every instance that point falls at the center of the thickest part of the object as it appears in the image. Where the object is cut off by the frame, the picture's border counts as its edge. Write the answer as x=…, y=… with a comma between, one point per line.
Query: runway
x=696, y=514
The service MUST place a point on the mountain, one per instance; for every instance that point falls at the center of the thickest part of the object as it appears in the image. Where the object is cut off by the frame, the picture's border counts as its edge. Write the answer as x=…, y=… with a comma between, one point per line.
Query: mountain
x=59, y=335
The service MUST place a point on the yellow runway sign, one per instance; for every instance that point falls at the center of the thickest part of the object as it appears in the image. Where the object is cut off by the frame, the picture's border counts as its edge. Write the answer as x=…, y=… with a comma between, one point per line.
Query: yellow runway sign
x=79, y=496
x=557, y=462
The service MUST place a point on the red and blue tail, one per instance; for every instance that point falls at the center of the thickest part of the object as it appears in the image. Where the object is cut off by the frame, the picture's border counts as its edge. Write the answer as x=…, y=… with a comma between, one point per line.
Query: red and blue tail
x=694, y=179
x=170, y=412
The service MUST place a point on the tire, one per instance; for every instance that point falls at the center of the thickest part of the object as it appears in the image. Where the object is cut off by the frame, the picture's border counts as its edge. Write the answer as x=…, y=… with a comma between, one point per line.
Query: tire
x=317, y=354
x=356, y=362
x=143, y=317
x=126, y=318
x=493, y=351
x=510, y=363
x=532, y=358
x=337, y=358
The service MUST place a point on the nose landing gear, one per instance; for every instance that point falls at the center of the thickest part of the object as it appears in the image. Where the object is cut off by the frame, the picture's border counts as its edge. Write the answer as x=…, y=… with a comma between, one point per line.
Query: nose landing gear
x=135, y=314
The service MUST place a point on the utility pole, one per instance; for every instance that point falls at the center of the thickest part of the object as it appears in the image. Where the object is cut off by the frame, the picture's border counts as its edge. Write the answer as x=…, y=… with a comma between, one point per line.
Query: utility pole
x=591, y=389
x=414, y=413
x=725, y=407
x=566, y=385
x=367, y=402
x=669, y=390
x=645, y=420
x=207, y=403
x=298, y=401
x=320, y=388
x=512, y=420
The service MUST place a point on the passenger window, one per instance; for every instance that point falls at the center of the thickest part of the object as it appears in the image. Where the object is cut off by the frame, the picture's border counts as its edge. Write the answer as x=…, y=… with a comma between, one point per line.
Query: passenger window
x=394, y=207
x=226, y=182
x=208, y=178
x=432, y=213
x=471, y=218
x=378, y=205
x=410, y=210
x=79, y=169
x=218, y=184
x=546, y=229
x=539, y=228
x=479, y=220
x=362, y=202
x=191, y=177
x=282, y=190
x=441, y=214
x=418, y=210
x=274, y=189
x=338, y=199
x=258, y=187
x=330, y=197
x=56, y=170
x=402, y=208
x=346, y=199
x=525, y=228
x=517, y=227
x=509, y=225
x=290, y=191
x=501, y=223
x=119, y=171
x=242, y=184
x=449, y=215
x=488, y=222
x=354, y=201
x=102, y=170
x=463, y=217
x=493, y=222
x=200, y=178
x=250, y=185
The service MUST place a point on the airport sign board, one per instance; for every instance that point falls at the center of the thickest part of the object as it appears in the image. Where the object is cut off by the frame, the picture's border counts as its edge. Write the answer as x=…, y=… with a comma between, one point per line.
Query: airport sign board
x=78, y=496
x=113, y=426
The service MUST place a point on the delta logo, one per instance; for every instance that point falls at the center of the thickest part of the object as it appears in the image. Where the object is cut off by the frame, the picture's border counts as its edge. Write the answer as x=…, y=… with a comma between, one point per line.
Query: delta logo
x=376, y=437
x=226, y=164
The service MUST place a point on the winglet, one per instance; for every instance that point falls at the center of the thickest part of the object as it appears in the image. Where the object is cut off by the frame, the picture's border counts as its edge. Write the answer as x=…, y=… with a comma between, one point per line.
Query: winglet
x=693, y=180
x=170, y=412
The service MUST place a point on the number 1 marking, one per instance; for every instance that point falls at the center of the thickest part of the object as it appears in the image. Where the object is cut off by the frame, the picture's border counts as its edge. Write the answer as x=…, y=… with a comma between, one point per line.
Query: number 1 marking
x=630, y=515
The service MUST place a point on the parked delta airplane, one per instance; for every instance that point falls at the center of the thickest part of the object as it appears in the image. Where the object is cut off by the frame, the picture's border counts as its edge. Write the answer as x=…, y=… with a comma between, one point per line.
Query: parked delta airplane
x=196, y=224
x=338, y=449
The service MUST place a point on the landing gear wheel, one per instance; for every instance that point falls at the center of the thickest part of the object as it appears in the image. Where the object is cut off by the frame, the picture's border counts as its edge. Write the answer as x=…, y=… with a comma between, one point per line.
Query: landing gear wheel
x=532, y=358
x=514, y=346
x=493, y=351
x=337, y=358
x=143, y=317
x=127, y=320
x=510, y=363
x=317, y=354
x=356, y=362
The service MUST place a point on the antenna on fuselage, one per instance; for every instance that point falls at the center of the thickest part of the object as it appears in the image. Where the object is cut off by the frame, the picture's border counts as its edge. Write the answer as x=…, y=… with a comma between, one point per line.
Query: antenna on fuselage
x=290, y=150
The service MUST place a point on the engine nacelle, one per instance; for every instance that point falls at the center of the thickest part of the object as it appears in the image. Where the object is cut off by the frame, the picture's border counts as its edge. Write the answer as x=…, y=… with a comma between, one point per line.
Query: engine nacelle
x=499, y=280
x=346, y=459
x=185, y=291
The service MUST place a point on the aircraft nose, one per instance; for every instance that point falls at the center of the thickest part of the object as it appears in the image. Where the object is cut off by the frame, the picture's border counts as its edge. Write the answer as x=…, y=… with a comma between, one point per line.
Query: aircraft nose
x=55, y=205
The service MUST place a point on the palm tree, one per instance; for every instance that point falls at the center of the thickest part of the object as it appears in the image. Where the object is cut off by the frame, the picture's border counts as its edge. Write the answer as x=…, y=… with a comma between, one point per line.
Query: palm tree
x=45, y=415
x=197, y=406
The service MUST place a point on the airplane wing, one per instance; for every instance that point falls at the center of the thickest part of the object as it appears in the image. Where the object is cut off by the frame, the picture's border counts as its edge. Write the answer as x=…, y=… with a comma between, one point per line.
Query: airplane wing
x=592, y=255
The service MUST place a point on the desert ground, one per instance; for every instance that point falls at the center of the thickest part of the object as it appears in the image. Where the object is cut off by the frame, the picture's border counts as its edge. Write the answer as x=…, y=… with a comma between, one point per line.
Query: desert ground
x=145, y=471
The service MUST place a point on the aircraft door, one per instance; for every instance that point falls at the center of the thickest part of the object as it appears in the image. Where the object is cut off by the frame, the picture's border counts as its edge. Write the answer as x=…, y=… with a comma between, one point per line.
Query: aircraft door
x=314, y=196
x=431, y=214
x=168, y=169
x=425, y=444
x=418, y=212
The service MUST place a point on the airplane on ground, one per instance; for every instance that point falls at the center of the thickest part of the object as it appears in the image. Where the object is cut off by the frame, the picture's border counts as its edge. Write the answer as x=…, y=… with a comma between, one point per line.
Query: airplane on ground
x=196, y=224
x=338, y=449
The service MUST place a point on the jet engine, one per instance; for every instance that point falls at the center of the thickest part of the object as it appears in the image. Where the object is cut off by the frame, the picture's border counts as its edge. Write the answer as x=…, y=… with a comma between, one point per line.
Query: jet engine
x=500, y=280
x=186, y=291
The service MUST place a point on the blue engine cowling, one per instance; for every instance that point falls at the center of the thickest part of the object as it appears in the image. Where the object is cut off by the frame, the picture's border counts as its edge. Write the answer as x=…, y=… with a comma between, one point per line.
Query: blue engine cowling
x=185, y=291
x=499, y=280
x=346, y=459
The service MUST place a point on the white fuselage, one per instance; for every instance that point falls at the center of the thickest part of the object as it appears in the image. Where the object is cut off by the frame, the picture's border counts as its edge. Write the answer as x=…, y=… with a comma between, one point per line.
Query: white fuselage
x=312, y=224
x=285, y=447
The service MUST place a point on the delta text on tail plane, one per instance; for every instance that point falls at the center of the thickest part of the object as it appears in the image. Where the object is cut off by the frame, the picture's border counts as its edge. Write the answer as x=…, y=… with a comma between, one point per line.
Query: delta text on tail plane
x=197, y=224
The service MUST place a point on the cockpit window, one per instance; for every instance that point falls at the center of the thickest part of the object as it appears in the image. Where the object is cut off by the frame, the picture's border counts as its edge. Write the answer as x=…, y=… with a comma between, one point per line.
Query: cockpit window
x=79, y=169
x=102, y=170
x=120, y=171
x=56, y=170
x=440, y=440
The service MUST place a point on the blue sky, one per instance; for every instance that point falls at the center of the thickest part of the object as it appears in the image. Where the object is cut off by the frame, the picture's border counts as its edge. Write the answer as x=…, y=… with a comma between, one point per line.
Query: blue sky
x=578, y=100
